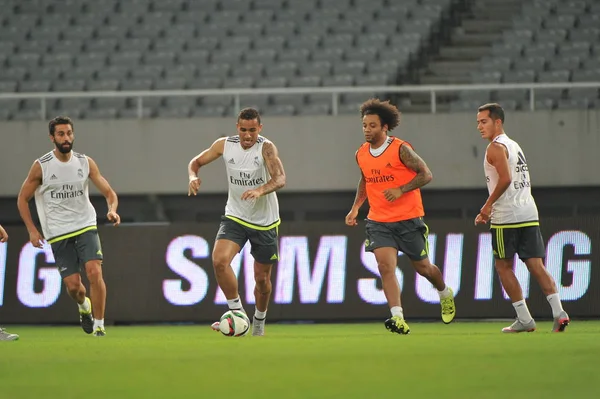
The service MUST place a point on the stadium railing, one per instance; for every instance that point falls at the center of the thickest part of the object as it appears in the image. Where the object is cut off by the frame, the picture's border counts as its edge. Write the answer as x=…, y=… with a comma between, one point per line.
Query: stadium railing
x=335, y=92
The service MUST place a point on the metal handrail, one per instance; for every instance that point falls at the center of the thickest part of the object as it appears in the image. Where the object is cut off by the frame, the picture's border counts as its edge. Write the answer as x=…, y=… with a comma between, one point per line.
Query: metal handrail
x=334, y=91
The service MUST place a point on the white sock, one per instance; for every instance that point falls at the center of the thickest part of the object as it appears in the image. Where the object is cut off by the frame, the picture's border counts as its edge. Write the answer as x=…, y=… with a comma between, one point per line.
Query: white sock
x=98, y=323
x=235, y=304
x=85, y=306
x=260, y=315
x=445, y=293
x=554, y=301
x=522, y=311
x=397, y=311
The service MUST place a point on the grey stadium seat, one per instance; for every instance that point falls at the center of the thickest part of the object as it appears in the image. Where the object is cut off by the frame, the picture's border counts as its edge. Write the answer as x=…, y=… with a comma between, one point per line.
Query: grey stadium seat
x=206, y=82
x=315, y=109
x=272, y=82
x=170, y=84
x=221, y=70
x=279, y=110
x=309, y=42
x=96, y=59
x=533, y=63
x=281, y=28
x=130, y=58
x=286, y=69
x=160, y=58
x=361, y=54
x=39, y=86
x=328, y=54
x=554, y=76
x=187, y=71
x=240, y=82
x=103, y=85
x=551, y=35
x=101, y=45
x=69, y=85
x=520, y=76
x=147, y=72
x=297, y=100
x=338, y=80
x=223, y=100
x=317, y=68
x=176, y=44
x=137, y=84
x=252, y=69
x=355, y=68
x=50, y=72
x=135, y=45
x=197, y=57
x=117, y=72
x=210, y=111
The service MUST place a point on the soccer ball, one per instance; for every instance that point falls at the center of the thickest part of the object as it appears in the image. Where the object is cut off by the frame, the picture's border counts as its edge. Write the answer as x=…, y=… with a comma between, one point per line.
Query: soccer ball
x=234, y=323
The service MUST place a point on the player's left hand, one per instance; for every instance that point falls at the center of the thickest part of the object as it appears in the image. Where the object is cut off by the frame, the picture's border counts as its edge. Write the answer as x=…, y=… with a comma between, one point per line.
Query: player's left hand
x=250, y=195
x=114, y=218
x=3, y=234
x=392, y=194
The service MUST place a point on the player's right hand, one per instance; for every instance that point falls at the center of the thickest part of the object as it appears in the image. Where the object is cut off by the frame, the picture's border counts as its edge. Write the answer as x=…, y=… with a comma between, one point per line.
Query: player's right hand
x=351, y=217
x=36, y=239
x=3, y=234
x=193, y=186
x=481, y=219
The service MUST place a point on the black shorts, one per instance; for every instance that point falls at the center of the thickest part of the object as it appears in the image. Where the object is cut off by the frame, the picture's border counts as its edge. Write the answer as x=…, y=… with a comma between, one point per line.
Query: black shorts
x=408, y=236
x=264, y=244
x=525, y=241
x=71, y=254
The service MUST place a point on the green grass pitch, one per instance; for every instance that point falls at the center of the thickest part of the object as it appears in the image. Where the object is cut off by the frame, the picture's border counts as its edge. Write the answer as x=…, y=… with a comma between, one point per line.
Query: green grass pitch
x=461, y=360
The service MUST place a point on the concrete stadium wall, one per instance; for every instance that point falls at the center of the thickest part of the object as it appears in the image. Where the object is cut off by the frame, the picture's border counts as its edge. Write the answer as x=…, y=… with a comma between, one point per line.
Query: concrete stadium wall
x=151, y=156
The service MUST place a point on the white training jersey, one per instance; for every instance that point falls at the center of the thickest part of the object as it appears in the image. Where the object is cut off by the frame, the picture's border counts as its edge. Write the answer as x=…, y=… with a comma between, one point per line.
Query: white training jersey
x=62, y=200
x=516, y=205
x=246, y=170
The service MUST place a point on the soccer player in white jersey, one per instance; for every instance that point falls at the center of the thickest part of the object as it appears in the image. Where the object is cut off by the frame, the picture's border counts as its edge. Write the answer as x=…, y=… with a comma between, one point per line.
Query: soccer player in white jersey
x=513, y=214
x=5, y=335
x=254, y=173
x=59, y=181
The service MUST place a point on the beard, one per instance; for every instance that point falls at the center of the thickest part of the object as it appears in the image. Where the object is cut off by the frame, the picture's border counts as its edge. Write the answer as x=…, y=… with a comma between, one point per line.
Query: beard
x=64, y=149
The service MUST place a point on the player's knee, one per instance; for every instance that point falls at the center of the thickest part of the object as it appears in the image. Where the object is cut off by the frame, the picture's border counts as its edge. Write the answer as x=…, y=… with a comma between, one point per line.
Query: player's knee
x=94, y=272
x=386, y=269
x=73, y=290
x=262, y=280
x=73, y=287
x=220, y=263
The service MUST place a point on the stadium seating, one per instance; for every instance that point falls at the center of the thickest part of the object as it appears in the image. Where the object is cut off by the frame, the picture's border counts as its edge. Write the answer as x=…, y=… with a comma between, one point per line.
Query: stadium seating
x=82, y=45
x=71, y=45
x=549, y=41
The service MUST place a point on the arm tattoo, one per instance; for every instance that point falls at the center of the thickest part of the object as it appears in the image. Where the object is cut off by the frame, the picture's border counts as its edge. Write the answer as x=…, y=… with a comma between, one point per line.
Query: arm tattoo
x=275, y=168
x=415, y=163
x=361, y=193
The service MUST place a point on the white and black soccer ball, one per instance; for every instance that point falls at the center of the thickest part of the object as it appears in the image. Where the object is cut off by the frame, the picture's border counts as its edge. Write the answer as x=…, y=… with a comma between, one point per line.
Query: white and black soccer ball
x=234, y=323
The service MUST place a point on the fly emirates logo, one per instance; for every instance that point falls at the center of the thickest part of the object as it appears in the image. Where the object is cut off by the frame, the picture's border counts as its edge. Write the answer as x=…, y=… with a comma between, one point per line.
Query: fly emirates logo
x=378, y=177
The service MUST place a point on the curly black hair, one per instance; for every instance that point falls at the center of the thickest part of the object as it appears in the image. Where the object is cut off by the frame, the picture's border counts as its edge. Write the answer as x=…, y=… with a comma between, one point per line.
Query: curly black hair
x=388, y=113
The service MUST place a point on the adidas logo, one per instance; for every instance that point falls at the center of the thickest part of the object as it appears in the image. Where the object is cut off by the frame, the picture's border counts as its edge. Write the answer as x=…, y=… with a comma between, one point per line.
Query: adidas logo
x=231, y=161
x=423, y=253
x=274, y=257
x=99, y=252
x=522, y=160
x=53, y=177
x=389, y=165
x=495, y=253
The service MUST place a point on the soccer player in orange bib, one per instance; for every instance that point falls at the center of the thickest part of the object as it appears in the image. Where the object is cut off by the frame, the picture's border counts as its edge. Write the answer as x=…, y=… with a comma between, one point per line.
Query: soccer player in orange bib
x=391, y=177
